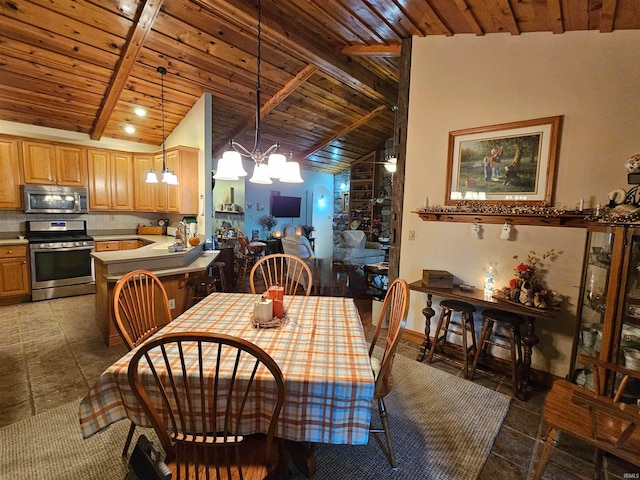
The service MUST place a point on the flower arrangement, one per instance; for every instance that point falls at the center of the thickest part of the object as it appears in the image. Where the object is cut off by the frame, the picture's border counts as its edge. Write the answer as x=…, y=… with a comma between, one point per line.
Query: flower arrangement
x=528, y=286
x=268, y=222
x=633, y=164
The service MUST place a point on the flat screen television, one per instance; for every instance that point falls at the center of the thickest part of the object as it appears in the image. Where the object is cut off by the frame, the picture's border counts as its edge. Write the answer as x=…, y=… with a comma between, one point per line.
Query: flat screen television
x=282, y=206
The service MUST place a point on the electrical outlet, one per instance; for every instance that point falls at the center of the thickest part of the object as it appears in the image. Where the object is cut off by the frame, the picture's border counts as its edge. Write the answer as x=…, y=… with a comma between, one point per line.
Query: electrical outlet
x=412, y=234
x=172, y=304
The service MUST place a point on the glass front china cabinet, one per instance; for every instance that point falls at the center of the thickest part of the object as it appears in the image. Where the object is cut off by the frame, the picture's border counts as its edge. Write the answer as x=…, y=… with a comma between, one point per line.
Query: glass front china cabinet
x=609, y=305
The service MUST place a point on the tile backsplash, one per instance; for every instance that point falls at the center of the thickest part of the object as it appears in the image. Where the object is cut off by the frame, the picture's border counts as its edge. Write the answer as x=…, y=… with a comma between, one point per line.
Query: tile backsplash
x=13, y=221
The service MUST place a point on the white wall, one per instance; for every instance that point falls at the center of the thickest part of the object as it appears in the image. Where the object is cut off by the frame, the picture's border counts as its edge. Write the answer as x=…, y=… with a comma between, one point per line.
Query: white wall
x=467, y=81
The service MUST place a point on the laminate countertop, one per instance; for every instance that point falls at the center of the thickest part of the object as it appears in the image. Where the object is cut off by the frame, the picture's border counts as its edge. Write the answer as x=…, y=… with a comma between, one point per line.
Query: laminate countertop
x=154, y=257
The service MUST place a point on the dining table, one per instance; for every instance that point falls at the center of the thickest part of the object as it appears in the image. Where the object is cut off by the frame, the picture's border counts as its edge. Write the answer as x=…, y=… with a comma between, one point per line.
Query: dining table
x=320, y=348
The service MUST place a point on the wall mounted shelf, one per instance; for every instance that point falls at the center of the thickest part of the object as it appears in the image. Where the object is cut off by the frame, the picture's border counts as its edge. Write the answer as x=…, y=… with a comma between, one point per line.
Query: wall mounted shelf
x=561, y=220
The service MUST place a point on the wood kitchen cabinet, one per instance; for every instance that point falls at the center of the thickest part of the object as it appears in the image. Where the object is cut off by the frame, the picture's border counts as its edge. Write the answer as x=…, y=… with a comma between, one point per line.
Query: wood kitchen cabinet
x=160, y=197
x=110, y=180
x=115, y=245
x=14, y=271
x=10, y=197
x=144, y=194
x=54, y=164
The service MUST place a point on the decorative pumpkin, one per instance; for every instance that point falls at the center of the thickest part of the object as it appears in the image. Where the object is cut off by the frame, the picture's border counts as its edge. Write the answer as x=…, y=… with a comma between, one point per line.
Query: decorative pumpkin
x=193, y=241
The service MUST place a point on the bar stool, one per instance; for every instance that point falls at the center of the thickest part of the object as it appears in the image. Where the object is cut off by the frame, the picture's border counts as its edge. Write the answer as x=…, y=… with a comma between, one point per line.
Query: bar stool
x=216, y=271
x=510, y=342
x=447, y=308
x=197, y=288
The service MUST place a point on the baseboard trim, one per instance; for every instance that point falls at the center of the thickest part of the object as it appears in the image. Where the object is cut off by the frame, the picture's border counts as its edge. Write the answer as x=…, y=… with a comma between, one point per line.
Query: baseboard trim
x=500, y=365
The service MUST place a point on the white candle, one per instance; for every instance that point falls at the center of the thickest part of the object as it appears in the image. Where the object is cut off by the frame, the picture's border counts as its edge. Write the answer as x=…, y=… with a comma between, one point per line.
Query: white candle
x=581, y=204
x=263, y=311
x=426, y=202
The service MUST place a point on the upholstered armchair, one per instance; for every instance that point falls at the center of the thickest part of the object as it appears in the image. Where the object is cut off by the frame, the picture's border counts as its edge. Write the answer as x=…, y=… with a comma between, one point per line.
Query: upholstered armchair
x=299, y=246
x=354, y=249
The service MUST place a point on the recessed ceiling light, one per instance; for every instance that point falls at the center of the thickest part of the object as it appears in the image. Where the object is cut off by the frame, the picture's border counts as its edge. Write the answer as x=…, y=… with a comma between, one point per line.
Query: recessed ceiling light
x=139, y=111
x=129, y=129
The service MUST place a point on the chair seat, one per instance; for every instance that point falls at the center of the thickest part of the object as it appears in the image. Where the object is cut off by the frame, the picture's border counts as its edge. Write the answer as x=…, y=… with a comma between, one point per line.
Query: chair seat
x=458, y=306
x=251, y=454
x=561, y=412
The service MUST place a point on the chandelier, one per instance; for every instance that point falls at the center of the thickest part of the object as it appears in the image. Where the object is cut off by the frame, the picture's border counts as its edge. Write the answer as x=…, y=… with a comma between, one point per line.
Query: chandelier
x=268, y=164
x=167, y=176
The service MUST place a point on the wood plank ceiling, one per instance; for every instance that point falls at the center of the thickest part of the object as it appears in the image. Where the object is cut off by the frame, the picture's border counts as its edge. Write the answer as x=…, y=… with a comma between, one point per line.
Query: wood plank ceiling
x=329, y=70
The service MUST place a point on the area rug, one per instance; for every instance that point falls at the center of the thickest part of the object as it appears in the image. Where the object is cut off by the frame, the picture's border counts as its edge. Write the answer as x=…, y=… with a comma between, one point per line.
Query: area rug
x=443, y=427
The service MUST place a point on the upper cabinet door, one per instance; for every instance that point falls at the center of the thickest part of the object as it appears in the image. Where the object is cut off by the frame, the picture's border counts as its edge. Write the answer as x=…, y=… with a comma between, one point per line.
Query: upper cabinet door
x=122, y=181
x=49, y=164
x=10, y=175
x=71, y=166
x=39, y=160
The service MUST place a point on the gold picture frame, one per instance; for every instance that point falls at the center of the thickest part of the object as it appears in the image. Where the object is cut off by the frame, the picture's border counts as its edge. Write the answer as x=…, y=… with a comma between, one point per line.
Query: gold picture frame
x=509, y=163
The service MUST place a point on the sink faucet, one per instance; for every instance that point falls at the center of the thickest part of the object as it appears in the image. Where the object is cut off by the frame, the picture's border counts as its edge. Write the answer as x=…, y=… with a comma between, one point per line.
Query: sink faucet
x=181, y=232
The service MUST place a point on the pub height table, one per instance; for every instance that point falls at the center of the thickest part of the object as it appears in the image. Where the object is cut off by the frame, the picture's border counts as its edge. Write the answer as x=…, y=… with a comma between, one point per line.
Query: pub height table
x=478, y=297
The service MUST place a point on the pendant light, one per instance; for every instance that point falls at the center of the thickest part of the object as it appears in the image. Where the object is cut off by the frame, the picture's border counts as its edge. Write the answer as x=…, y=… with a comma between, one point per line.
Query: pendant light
x=268, y=164
x=167, y=176
x=391, y=155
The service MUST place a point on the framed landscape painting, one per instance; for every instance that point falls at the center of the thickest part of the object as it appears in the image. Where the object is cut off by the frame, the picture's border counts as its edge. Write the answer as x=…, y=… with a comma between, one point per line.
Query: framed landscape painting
x=507, y=163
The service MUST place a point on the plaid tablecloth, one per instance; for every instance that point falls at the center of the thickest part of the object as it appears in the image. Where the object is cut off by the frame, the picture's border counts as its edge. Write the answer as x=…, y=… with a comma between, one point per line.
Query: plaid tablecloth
x=321, y=351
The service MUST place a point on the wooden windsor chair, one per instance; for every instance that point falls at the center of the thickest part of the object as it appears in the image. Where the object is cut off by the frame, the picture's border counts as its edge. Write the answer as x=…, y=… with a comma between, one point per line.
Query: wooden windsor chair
x=282, y=270
x=395, y=308
x=140, y=305
x=593, y=416
x=199, y=416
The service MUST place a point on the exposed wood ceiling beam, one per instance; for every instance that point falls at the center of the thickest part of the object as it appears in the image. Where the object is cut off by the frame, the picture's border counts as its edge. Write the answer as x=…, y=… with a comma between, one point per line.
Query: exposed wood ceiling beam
x=291, y=86
x=142, y=26
x=555, y=16
x=432, y=18
x=373, y=50
x=507, y=11
x=344, y=131
x=606, y=16
x=469, y=17
x=309, y=50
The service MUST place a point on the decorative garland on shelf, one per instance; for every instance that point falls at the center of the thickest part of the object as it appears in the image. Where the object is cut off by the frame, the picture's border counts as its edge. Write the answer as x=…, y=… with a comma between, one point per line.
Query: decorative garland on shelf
x=500, y=209
x=623, y=213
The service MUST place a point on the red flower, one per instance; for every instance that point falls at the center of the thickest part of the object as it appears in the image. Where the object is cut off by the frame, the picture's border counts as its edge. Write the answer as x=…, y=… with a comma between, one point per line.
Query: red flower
x=522, y=268
x=513, y=283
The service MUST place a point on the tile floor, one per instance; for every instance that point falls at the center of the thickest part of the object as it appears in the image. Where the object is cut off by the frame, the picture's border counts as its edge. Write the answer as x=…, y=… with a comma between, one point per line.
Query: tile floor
x=51, y=353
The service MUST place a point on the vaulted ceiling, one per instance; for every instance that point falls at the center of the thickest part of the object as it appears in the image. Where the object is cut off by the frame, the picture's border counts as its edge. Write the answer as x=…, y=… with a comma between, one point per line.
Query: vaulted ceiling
x=329, y=70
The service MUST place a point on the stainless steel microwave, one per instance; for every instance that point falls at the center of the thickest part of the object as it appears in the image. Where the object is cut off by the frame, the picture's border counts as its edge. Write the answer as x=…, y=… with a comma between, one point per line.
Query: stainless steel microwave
x=55, y=199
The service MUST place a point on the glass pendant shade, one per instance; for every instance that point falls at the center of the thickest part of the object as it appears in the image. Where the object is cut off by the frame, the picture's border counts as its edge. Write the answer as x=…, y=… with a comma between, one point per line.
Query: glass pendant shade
x=226, y=170
x=170, y=178
x=291, y=173
x=152, y=176
x=276, y=164
x=261, y=174
x=234, y=160
x=391, y=165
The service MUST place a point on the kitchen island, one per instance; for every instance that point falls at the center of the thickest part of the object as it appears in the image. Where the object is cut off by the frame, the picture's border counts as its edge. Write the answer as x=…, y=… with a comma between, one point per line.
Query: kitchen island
x=173, y=269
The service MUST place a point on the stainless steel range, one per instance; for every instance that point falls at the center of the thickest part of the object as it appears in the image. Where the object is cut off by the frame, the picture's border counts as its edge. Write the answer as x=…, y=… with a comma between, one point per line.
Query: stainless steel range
x=61, y=262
